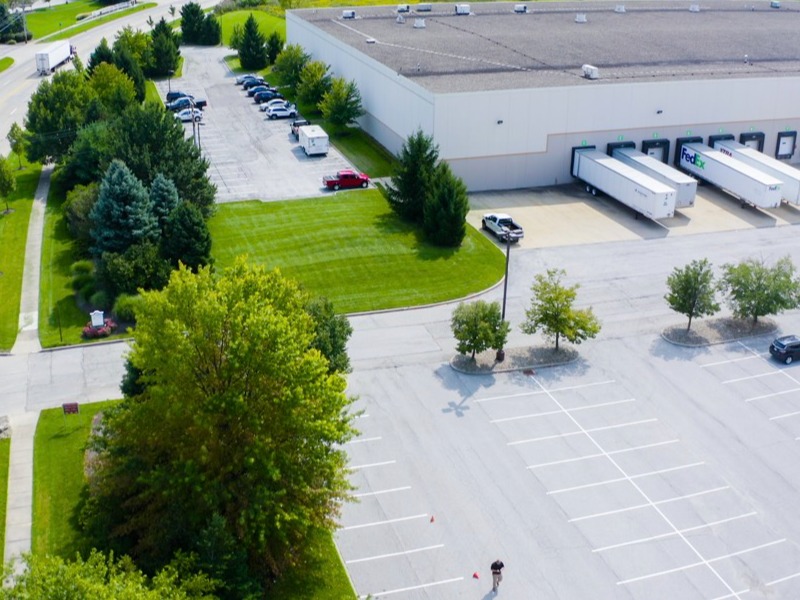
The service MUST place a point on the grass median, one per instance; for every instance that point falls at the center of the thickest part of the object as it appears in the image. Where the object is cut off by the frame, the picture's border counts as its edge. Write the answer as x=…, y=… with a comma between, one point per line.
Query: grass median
x=351, y=248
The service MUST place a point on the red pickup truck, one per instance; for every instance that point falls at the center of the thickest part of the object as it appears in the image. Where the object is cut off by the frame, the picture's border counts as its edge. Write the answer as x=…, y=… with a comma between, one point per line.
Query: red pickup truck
x=345, y=179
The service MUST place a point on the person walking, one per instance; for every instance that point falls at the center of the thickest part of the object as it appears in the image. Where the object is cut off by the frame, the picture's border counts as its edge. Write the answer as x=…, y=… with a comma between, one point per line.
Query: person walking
x=497, y=574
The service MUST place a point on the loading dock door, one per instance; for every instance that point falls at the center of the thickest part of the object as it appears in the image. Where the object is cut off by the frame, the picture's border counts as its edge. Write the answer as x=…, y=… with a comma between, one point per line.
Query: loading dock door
x=786, y=141
x=657, y=153
x=751, y=144
x=658, y=149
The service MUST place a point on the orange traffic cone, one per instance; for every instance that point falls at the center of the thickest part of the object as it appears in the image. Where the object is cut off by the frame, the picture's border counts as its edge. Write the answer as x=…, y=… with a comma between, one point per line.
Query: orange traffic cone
x=475, y=575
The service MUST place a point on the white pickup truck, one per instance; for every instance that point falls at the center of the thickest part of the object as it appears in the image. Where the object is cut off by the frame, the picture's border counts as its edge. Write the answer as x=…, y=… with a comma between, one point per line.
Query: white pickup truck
x=503, y=227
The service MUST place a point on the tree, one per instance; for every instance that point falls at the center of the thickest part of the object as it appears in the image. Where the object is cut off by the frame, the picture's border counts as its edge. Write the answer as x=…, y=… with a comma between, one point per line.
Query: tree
x=211, y=31
x=692, y=290
x=754, y=289
x=58, y=109
x=125, y=61
x=192, y=17
x=18, y=141
x=255, y=438
x=289, y=65
x=165, y=55
x=138, y=43
x=252, y=49
x=478, y=326
x=102, y=54
x=123, y=214
x=331, y=332
x=114, y=88
x=165, y=199
x=341, y=105
x=140, y=266
x=553, y=313
x=80, y=201
x=186, y=238
x=413, y=180
x=274, y=46
x=236, y=37
x=315, y=80
x=8, y=182
x=445, y=212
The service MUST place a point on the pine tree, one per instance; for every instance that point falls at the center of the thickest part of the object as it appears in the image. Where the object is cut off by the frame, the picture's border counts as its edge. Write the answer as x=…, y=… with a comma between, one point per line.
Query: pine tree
x=165, y=199
x=253, y=50
x=412, y=182
x=445, y=212
x=192, y=22
x=186, y=238
x=101, y=54
x=126, y=63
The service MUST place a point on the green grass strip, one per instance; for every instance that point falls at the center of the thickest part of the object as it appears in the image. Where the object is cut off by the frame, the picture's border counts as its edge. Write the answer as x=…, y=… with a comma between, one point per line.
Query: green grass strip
x=351, y=248
x=92, y=23
x=62, y=19
x=13, y=235
x=5, y=453
x=58, y=451
x=5, y=63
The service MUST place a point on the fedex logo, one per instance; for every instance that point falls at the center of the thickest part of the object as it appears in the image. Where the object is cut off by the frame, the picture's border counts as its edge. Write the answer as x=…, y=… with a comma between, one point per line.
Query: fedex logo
x=693, y=158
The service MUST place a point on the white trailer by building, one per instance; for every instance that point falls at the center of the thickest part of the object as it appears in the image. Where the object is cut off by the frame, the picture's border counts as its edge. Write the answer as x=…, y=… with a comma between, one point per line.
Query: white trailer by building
x=685, y=187
x=750, y=185
x=53, y=56
x=625, y=184
x=313, y=140
x=790, y=176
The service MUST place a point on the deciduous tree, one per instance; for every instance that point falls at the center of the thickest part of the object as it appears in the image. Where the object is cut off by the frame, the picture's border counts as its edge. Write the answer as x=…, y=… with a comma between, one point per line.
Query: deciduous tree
x=331, y=332
x=315, y=80
x=445, y=212
x=755, y=289
x=18, y=141
x=140, y=266
x=289, y=65
x=114, y=89
x=478, y=326
x=252, y=50
x=8, y=182
x=80, y=201
x=413, y=180
x=553, y=313
x=341, y=105
x=692, y=290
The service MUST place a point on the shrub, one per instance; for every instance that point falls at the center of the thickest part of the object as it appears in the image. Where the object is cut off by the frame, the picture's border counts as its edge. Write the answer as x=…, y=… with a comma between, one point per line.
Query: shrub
x=88, y=290
x=81, y=280
x=92, y=333
x=125, y=307
x=82, y=267
x=100, y=300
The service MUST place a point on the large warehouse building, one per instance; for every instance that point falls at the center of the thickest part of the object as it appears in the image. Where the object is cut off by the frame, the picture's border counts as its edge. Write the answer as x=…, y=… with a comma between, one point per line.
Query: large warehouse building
x=507, y=90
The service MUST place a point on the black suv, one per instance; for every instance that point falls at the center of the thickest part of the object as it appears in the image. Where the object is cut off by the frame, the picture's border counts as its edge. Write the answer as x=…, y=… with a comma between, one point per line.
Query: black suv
x=786, y=348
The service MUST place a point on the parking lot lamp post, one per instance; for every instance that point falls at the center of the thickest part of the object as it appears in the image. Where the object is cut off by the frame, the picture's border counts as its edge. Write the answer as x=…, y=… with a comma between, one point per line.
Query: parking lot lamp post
x=501, y=353
x=169, y=79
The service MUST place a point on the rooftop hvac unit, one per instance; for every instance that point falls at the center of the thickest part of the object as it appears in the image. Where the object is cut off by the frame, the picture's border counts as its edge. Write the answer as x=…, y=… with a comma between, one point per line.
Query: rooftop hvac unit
x=619, y=8
x=462, y=9
x=591, y=72
x=403, y=8
x=348, y=14
x=521, y=8
x=370, y=40
x=694, y=8
x=423, y=8
x=580, y=18
x=419, y=23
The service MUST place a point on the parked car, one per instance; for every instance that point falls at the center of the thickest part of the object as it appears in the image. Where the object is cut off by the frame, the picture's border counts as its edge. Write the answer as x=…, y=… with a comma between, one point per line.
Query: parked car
x=248, y=83
x=282, y=112
x=265, y=96
x=503, y=227
x=240, y=79
x=296, y=125
x=256, y=89
x=786, y=348
x=186, y=102
x=345, y=179
x=175, y=94
x=187, y=115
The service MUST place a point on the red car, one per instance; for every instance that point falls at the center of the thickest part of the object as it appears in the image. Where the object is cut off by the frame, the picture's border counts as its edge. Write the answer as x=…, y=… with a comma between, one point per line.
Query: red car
x=345, y=179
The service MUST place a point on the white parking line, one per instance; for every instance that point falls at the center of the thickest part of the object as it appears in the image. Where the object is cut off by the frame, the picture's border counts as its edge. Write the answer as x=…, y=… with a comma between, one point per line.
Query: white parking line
x=622, y=451
x=732, y=595
x=626, y=478
x=544, y=391
x=754, y=398
x=379, y=492
x=581, y=432
x=387, y=522
x=673, y=533
x=732, y=360
x=413, y=587
x=648, y=505
x=749, y=377
x=561, y=412
x=782, y=579
x=791, y=414
x=367, y=466
x=403, y=553
x=362, y=440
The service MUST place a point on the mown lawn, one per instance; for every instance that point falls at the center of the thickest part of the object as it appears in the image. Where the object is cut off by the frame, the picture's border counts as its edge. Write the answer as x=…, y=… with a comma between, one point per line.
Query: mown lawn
x=266, y=23
x=44, y=21
x=351, y=248
x=5, y=452
x=13, y=235
x=58, y=478
x=91, y=24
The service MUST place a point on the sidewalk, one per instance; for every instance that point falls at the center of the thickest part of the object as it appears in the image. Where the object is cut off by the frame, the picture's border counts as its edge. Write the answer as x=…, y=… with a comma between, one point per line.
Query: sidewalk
x=19, y=510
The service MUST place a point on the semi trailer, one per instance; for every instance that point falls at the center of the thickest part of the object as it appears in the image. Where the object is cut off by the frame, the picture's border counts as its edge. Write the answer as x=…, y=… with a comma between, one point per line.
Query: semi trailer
x=53, y=56
x=625, y=184
x=749, y=185
x=758, y=160
x=685, y=186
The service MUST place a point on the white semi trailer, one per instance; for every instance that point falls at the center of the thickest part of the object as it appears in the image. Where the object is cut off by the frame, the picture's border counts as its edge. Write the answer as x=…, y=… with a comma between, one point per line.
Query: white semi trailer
x=685, y=187
x=53, y=56
x=625, y=184
x=750, y=185
x=780, y=170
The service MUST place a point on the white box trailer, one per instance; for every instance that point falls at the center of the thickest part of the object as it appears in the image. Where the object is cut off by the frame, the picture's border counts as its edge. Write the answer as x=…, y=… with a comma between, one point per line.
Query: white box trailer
x=625, y=184
x=780, y=170
x=53, y=56
x=750, y=185
x=685, y=187
x=313, y=140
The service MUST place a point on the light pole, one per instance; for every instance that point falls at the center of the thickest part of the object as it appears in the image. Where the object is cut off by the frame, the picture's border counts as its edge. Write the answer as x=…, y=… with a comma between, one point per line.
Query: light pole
x=169, y=79
x=501, y=353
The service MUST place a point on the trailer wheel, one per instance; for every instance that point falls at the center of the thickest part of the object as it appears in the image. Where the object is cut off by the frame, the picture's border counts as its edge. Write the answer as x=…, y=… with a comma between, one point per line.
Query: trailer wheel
x=588, y=189
x=594, y=191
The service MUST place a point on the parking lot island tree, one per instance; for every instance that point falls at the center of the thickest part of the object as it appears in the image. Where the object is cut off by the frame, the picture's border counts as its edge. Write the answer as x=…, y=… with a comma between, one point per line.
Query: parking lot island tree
x=693, y=290
x=18, y=141
x=289, y=65
x=341, y=104
x=413, y=180
x=553, y=313
x=256, y=436
x=252, y=47
x=445, y=212
x=478, y=326
x=754, y=289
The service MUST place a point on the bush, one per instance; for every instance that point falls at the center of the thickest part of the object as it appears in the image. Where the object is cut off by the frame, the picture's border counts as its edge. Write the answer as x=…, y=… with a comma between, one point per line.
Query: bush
x=100, y=300
x=125, y=307
x=88, y=290
x=81, y=280
x=82, y=267
x=93, y=333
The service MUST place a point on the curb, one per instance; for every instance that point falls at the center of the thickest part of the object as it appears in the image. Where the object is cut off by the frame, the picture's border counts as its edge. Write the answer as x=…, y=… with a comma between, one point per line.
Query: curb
x=525, y=367
x=664, y=336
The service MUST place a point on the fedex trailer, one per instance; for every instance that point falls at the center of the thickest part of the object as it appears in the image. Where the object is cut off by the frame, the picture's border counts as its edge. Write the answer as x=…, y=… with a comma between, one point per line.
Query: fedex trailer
x=685, y=187
x=625, y=184
x=750, y=185
x=766, y=164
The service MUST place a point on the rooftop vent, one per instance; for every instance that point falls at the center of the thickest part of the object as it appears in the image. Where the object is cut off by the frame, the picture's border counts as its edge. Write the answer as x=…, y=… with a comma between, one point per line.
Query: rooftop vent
x=419, y=23
x=370, y=40
x=694, y=8
x=403, y=8
x=521, y=9
x=423, y=8
x=348, y=14
x=580, y=18
x=462, y=9
x=619, y=8
x=591, y=72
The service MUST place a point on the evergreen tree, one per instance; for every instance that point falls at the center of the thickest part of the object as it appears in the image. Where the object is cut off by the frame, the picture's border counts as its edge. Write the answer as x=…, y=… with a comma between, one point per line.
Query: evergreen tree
x=192, y=17
x=445, y=212
x=101, y=54
x=123, y=214
x=274, y=46
x=211, y=31
x=412, y=182
x=165, y=56
x=165, y=199
x=186, y=238
x=163, y=28
x=341, y=104
x=126, y=63
x=253, y=50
